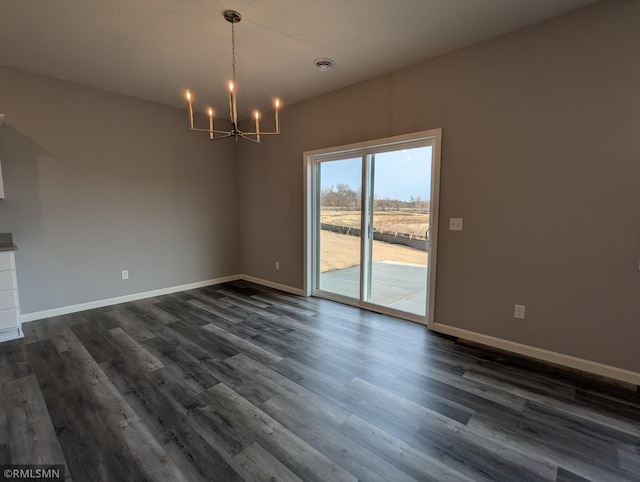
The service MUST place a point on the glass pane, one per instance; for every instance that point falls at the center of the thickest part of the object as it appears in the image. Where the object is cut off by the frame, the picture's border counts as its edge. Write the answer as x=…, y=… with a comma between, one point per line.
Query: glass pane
x=400, y=218
x=340, y=196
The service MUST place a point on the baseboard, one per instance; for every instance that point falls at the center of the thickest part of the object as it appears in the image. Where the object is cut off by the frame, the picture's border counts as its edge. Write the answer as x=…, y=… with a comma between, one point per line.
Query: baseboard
x=12, y=334
x=271, y=284
x=65, y=310
x=526, y=350
x=541, y=354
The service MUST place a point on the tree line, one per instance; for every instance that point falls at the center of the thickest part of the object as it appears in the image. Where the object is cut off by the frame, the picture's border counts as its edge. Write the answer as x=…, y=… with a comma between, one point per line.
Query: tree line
x=342, y=196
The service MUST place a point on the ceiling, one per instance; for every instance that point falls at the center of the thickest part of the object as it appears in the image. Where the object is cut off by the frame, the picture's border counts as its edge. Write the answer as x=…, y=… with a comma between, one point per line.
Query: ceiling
x=155, y=49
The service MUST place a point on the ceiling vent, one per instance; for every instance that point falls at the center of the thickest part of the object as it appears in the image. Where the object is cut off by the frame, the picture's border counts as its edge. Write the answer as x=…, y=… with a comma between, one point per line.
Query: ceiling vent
x=323, y=64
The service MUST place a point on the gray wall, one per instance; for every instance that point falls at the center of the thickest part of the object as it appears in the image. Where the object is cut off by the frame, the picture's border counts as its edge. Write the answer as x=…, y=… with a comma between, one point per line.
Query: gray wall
x=97, y=182
x=541, y=146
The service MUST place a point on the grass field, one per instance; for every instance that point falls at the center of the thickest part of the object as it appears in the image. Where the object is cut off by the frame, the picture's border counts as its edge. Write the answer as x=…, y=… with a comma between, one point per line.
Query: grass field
x=414, y=224
x=339, y=251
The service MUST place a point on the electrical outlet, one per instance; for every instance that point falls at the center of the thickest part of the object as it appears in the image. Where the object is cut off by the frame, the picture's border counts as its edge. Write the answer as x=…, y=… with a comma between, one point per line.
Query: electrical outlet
x=125, y=274
x=277, y=265
x=455, y=224
x=518, y=312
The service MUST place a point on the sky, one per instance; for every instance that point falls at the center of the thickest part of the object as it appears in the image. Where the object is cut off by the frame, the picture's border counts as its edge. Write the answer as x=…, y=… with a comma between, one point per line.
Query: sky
x=398, y=174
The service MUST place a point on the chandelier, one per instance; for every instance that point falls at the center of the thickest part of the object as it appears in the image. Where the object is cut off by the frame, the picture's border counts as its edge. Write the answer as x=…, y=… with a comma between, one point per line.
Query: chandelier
x=232, y=17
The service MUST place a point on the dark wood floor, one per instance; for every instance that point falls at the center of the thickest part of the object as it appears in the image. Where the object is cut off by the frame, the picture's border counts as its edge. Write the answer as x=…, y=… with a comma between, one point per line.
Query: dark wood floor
x=239, y=382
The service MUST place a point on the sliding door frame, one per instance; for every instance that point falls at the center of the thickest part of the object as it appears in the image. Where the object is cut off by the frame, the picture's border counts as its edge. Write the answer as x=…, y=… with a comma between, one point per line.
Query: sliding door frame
x=311, y=161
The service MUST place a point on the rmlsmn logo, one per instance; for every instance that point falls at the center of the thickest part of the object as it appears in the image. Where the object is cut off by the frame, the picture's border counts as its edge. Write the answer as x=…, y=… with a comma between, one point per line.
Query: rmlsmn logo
x=29, y=473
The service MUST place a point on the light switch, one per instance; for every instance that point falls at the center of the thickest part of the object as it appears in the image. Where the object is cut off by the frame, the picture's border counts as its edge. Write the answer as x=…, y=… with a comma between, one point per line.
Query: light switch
x=455, y=224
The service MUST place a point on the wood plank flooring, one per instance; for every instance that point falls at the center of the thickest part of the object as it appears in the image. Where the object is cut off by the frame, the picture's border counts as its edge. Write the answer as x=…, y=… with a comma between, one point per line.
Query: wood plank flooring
x=241, y=382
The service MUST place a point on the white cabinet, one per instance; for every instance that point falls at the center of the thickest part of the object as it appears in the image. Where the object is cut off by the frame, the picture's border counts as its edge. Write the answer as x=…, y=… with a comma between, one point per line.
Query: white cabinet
x=9, y=303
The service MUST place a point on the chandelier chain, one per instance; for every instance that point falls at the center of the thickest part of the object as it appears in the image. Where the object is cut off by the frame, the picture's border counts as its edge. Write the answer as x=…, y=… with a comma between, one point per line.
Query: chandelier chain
x=233, y=50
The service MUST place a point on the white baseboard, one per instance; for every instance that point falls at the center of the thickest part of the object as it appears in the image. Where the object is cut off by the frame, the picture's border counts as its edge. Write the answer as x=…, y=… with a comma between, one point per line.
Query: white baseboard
x=549, y=356
x=64, y=310
x=271, y=284
x=12, y=334
x=502, y=344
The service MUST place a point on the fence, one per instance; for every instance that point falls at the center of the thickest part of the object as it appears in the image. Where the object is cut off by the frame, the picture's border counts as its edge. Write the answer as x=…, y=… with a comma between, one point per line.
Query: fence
x=387, y=237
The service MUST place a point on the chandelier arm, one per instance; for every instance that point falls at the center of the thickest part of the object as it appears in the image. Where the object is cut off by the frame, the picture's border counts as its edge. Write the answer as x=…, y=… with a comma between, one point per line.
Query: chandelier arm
x=244, y=136
x=207, y=130
x=221, y=137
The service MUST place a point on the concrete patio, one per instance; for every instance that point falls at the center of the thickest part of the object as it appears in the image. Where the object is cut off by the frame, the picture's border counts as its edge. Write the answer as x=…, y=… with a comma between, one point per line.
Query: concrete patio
x=400, y=286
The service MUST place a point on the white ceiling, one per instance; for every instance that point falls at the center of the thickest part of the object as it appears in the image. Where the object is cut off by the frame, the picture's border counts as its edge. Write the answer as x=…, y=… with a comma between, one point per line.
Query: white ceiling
x=155, y=49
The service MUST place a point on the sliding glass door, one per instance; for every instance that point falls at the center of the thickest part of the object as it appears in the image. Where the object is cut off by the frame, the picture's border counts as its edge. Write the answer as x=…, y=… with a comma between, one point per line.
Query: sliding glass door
x=399, y=219
x=339, y=226
x=372, y=214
